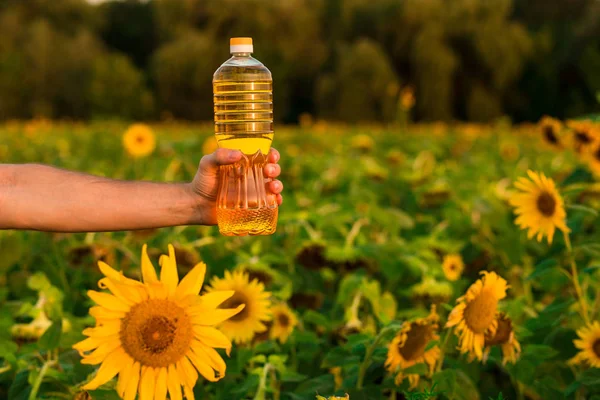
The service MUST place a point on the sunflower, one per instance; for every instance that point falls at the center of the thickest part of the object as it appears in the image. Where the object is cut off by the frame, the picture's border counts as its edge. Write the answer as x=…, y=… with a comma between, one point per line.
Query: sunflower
x=139, y=140
x=284, y=322
x=589, y=344
x=431, y=291
x=593, y=158
x=539, y=206
x=584, y=134
x=453, y=266
x=505, y=338
x=474, y=316
x=408, y=347
x=156, y=334
x=244, y=325
x=550, y=129
x=362, y=142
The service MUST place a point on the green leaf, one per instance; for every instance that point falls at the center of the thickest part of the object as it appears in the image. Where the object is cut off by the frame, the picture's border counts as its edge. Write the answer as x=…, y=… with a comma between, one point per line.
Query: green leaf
x=339, y=356
x=417, y=369
x=590, y=377
x=592, y=249
x=523, y=370
x=290, y=376
x=591, y=269
x=51, y=337
x=456, y=385
x=432, y=344
x=539, y=352
x=348, y=287
x=542, y=268
x=7, y=347
x=9, y=258
x=38, y=281
x=104, y=395
x=582, y=208
x=20, y=388
x=313, y=317
x=259, y=359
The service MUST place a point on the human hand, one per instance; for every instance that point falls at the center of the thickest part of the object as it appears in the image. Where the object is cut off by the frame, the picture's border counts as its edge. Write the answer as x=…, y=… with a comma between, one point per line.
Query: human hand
x=206, y=182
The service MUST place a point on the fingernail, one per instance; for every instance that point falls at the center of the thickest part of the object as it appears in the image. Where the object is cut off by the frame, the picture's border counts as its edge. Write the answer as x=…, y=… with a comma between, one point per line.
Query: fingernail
x=233, y=154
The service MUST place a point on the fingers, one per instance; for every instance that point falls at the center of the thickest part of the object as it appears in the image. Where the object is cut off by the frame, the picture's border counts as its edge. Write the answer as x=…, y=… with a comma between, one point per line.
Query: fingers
x=274, y=156
x=272, y=170
x=275, y=186
x=210, y=162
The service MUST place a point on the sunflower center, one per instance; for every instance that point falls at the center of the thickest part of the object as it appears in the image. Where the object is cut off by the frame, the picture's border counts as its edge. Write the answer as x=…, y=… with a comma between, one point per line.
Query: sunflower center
x=596, y=347
x=283, y=320
x=234, y=301
x=597, y=154
x=156, y=332
x=480, y=312
x=452, y=267
x=416, y=340
x=583, y=137
x=139, y=139
x=550, y=135
x=502, y=333
x=546, y=204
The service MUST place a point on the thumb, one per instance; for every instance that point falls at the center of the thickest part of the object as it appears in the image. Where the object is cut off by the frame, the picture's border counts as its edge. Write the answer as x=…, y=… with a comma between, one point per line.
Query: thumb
x=211, y=162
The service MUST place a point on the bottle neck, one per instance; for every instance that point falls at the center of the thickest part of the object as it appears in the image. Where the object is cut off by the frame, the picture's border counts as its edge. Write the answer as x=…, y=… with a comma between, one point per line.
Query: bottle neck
x=240, y=54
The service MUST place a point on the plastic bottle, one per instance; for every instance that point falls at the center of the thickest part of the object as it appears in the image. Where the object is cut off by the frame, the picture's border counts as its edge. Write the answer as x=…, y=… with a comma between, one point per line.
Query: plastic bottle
x=243, y=101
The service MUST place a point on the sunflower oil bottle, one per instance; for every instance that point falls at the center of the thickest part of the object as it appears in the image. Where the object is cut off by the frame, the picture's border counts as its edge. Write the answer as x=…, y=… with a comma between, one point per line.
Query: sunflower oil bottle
x=243, y=103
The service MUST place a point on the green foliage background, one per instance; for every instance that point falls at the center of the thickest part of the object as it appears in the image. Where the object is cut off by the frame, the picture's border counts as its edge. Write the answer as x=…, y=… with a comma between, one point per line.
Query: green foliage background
x=335, y=59
x=367, y=210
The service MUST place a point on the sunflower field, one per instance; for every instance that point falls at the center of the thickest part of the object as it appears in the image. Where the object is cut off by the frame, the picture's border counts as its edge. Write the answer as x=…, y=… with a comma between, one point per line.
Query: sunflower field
x=411, y=261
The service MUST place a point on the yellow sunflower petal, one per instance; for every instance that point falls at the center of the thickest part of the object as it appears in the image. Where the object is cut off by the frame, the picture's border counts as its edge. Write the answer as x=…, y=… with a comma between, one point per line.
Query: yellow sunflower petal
x=212, y=337
x=101, y=353
x=148, y=271
x=192, y=282
x=108, y=301
x=186, y=367
x=147, y=383
x=132, y=383
x=124, y=377
x=168, y=271
x=173, y=383
x=211, y=356
x=213, y=299
x=215, y=317
x=161, y=384
x=93, y=342
x=109, y=368
x=202, y=366
x=100, y=312
x=189, y=393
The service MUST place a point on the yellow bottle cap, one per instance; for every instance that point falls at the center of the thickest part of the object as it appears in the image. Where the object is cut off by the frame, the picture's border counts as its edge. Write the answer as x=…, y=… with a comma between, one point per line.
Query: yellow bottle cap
x=240, y=45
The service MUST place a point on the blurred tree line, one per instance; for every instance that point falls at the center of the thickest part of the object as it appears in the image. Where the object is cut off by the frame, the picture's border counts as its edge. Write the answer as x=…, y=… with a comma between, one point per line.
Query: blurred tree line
x=335, y=59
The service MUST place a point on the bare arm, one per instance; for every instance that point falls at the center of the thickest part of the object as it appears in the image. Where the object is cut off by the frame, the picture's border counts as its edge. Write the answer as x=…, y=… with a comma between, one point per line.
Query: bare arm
x=45, y=198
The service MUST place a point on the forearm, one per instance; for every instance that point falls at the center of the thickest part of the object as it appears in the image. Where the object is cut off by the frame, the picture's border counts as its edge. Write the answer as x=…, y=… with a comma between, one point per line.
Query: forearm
x=45, y=198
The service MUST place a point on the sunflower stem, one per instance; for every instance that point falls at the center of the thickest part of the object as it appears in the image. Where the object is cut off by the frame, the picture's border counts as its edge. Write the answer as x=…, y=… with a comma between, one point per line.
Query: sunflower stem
x=38, y=381
x=575, y=279
x=365, y=364
x=443, y=350
x=354, y=232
